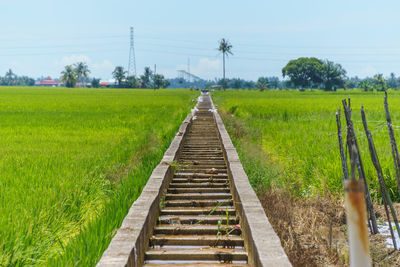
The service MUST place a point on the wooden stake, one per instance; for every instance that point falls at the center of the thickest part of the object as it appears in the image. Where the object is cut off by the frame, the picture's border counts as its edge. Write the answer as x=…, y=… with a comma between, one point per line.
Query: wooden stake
x=395, y=151
x=342, y=154
x=353, y=149
x=375, y=161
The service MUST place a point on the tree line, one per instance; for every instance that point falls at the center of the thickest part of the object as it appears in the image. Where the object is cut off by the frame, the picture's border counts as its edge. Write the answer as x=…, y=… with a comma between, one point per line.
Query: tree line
x=316, y=73
x=305, y=73
x=148, y=79
x=78, y=73
x=11, y=79
x=301, y=73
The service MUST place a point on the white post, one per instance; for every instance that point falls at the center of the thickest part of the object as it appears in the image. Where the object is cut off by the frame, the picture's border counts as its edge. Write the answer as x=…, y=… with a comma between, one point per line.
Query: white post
x=357, y=223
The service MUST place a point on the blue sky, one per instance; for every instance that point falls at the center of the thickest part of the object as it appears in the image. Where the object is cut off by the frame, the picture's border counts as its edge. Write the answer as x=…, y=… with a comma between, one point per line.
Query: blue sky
x=38, y=38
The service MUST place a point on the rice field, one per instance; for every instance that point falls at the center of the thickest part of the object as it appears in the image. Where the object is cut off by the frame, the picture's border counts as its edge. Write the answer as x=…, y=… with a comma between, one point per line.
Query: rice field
x=297, y=134
x=72, y=161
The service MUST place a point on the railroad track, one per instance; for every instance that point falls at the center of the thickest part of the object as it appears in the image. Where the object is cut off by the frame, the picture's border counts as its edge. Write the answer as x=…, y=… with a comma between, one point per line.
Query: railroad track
x=198, y=223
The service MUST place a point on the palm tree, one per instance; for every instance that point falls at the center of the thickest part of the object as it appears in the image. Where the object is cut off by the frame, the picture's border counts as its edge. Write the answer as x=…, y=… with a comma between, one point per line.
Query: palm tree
x=225, y=48
x=145, y=79
x=82, y=71
x=9, y=77
x=119, y=74
x=68, y=76
x=380, y=81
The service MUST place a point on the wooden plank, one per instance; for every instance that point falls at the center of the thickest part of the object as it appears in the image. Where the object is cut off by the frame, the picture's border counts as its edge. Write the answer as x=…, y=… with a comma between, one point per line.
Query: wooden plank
x=197, y=211
x=194, y=229
x=198, y=196
x=198, y=203
x=198, y=240
x=198, y=185
x=198, y=190
x=197, y=219
x=196, y=265
x=219, y=254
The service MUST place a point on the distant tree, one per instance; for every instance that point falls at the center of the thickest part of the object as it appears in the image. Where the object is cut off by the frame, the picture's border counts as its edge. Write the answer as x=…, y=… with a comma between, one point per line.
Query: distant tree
x=304, y=72
x=366, y=86
x=24, y=80
x=392, y=81
x=95, y=83
x=333, y=75
x=380, y=82
x=262, y=83
x=249, y=84
x=10, y=77
x=145, y=79
x=165, y=83
x=352, y=82
x=274, y=82
x=237, y=83
x=82, y=72
x=159, y=81
x=68, y=76
x=131, y=82
x=225, y=48
x=119, y=75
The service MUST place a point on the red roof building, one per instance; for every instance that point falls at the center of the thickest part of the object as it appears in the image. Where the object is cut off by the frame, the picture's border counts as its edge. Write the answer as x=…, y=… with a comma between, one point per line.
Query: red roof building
x=47, y=82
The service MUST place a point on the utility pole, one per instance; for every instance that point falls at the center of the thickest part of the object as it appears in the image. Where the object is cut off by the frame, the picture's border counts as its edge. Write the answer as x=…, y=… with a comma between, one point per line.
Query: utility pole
x=132, y=60
x=188, y=69
x=155, y=71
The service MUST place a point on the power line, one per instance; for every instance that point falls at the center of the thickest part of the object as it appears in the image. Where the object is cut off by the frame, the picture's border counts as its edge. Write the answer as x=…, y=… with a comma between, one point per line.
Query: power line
x=240, y=54
x=166, y=52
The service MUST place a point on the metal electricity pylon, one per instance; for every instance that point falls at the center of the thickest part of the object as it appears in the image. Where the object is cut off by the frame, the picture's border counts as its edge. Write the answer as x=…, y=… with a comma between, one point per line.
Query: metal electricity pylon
x=132, y=60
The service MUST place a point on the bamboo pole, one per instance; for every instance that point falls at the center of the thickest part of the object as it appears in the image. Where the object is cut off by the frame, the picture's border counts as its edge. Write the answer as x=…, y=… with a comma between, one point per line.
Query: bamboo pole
x=384, y=192
x=353, y=149
x=356, y=217
x=395, y=151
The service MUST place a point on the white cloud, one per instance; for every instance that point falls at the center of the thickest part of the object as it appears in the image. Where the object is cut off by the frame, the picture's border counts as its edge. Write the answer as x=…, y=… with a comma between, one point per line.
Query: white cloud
x=101, y=69
x=368, y=71
x=104, y=68
x=68, y=60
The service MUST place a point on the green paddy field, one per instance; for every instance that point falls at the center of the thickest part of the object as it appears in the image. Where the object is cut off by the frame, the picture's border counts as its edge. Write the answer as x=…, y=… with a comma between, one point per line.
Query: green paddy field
x=72, y=161
x=297, y=134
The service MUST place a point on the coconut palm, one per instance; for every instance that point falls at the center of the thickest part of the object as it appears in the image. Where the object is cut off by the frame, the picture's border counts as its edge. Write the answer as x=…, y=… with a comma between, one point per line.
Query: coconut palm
x=145, y=79
x=119, y=74
x=10, y=77
x=68, y=76
x=225, y=48
x=82, y=72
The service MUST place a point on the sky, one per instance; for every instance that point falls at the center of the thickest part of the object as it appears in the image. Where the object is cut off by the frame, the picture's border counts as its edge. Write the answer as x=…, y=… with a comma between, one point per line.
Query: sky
x=38, y=38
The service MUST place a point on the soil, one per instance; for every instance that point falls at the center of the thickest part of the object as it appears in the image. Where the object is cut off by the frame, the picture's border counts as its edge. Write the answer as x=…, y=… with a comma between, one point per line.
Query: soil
x=303, y=226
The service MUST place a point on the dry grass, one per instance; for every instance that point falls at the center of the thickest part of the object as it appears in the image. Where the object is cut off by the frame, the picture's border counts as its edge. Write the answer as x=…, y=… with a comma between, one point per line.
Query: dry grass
x=303, y=227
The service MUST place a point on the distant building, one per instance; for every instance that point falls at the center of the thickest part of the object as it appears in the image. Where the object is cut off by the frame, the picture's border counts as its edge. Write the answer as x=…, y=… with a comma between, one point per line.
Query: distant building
x=47, y=82
x=108, y=83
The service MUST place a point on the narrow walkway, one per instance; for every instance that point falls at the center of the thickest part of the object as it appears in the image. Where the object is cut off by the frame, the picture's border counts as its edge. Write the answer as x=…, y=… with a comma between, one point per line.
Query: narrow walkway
x=198, y=224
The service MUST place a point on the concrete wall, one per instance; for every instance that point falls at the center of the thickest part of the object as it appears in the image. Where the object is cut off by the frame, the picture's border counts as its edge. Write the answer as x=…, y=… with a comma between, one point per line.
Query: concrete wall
x=128, y=246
